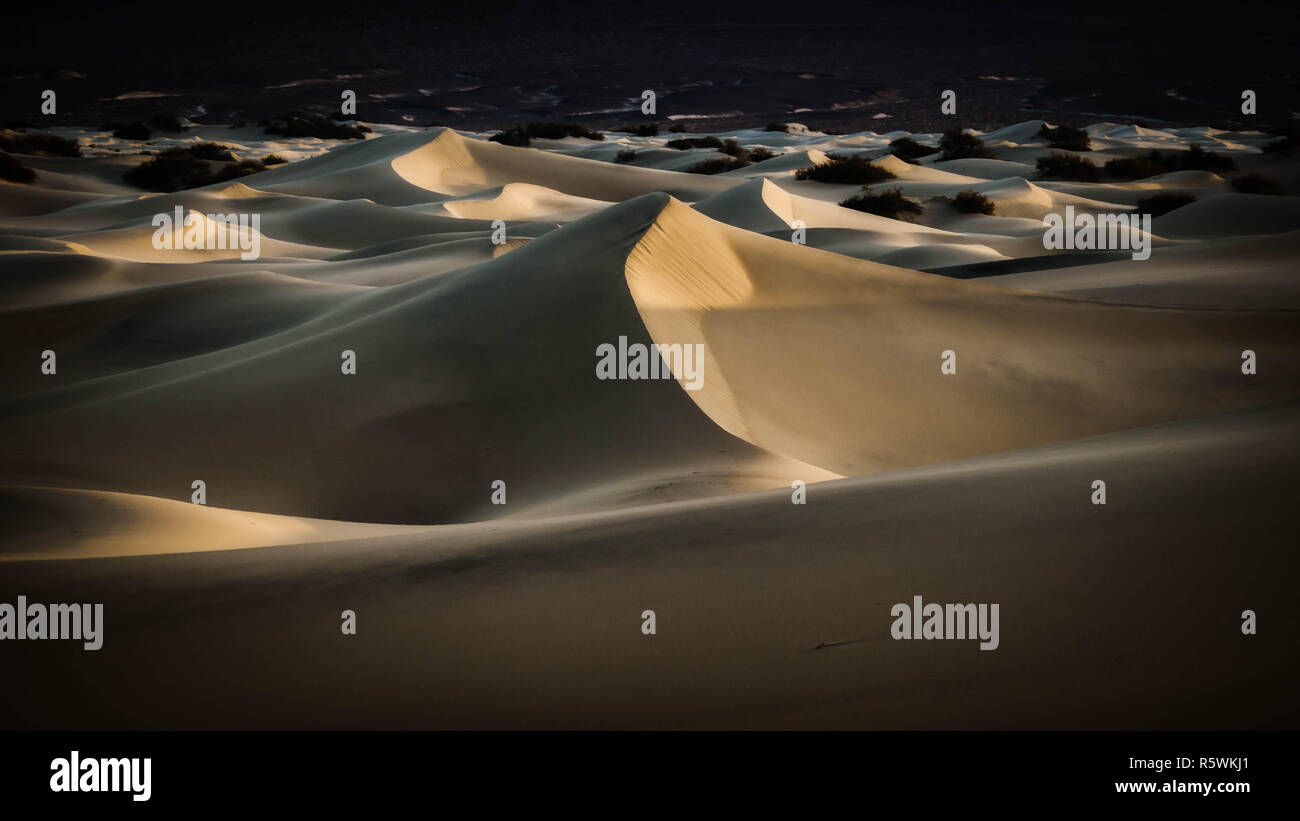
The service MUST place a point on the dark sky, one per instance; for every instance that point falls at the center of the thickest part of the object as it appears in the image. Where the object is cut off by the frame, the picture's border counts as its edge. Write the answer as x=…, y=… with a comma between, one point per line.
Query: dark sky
x=482, y=65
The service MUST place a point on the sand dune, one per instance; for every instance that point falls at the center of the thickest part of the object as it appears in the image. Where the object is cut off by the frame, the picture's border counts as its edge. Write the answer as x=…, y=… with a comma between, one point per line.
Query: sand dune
x=476, y=344
x=876, y=334
x=521, y=201
x=534, y=623
x=1232, y=215
x=54, y=524
x=404, y=169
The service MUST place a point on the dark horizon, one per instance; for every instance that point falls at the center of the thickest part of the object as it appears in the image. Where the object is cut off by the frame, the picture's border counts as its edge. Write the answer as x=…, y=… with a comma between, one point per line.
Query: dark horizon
x=484, y=69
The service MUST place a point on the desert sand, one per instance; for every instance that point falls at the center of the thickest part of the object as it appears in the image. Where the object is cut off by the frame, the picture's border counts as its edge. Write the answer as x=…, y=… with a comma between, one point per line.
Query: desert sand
x=475, y=363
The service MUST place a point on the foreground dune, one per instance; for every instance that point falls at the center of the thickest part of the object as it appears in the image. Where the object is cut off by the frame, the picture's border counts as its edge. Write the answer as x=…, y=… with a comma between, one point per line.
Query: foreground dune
x=769, y=614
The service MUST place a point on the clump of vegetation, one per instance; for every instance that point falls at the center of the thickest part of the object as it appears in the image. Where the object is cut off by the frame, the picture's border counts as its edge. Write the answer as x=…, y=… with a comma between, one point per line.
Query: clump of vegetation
x=909, y=150
x=676, y=128
x=734, y=149
x=273, y=159
x=729, y=147
x=853, y=169
x=13, y=170
x=129, y=131
x=178, y=168
x=1198, y=159
x=168, y=125
x=212, y=151
x=1166, y=162
x=784, y=128
x=717, y=165
x=171, y=170
x=1066, y=138
x=626, y=155
x=640, y=129
x=523, y=135
x=959, y=144
x=1257, y=184
x=970, y=202
x=1160, y=204
x=687, y=143
x=298, y=124
x=236, y=170
x=30, y=142
x=888, y=203
x=1136, y=168
x=1063, y=166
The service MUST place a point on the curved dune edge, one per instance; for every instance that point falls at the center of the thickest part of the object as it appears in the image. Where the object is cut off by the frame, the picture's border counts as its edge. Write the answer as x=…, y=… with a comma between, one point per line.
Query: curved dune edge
x=56, y=523
x=836, y=361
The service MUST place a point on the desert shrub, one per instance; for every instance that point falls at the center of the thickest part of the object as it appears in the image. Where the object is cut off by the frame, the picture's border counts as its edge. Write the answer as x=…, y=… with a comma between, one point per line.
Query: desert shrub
x=1159, y=204
x=640, y=129
x=34, y=142
x=1198, y=159
x=168, y=125
x=972, y=202
x=782, y=127
x=1066, y=138
x=522, y=135
x=511, y=136
x=1257, y=184
x=236, y=170
x=129, y=131
x=853, y=169
x=733, y=149
x=729, y=147
x=687, y=143
x=888, y=203
x=676, y=128
x=13, y=170
x=1165, y=162
x=178, y=168
x=298, y=124
x=1063, y=166
x=959, y=144
x=909, y=150
x=1137, y=168
x=717, y=165
x=171, y=170
x=212, y=151
x=626, y=155
x=273, y=159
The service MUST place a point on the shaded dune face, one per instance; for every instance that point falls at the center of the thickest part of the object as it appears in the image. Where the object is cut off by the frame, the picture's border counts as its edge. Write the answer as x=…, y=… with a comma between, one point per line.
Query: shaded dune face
x=837, y=361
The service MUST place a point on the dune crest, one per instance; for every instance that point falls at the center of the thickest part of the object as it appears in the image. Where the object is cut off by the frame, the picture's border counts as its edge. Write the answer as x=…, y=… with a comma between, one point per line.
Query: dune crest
x=836, y=361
